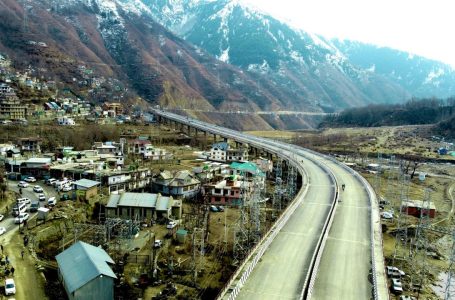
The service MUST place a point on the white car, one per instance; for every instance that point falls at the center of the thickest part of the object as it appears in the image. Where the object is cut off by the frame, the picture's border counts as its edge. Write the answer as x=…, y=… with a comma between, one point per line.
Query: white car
x=397, y=287
x=21, y=218
x=10, y=287
x=37, y=189
x=23, y=200
x=2, y=230
x=394, y=272
x=30, y=179
x=67, y=188
x=158, y=243
x=22, y=184
x=52, y=201
x=171, y=224
x=387, y=215
x=41, y=197
x=2, y=217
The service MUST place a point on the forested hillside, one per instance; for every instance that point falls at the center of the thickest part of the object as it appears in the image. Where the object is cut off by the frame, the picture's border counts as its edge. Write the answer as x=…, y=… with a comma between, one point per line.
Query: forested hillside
x=414, y=112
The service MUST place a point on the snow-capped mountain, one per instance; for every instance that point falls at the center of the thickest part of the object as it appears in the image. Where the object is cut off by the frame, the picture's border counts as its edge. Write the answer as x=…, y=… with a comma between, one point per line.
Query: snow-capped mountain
x=420, y=76
x=318, y=71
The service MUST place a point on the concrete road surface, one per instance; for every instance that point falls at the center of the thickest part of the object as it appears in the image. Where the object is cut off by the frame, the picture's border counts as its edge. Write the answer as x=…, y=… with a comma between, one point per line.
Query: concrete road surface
x=344, y=268
x=281, y=272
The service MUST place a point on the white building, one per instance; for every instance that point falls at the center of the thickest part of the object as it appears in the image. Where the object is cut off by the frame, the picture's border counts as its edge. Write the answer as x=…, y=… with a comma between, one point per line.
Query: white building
x=219, y=151
x=65, y=121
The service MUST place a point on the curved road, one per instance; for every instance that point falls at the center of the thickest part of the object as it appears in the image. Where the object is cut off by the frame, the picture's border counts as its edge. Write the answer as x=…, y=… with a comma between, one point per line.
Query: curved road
x=345, y=264
x=346, y=259
x=287, y=256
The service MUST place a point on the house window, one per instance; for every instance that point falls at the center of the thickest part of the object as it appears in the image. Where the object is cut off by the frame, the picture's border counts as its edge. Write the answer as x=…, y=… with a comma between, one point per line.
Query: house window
x=217, y=191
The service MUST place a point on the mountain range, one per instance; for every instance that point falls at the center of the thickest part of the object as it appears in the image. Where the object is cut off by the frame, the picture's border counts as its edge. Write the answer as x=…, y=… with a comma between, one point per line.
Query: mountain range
x=213, y=57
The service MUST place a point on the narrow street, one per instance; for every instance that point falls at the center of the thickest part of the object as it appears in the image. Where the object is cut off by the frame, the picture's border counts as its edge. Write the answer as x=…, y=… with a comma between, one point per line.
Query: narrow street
x=29, y=282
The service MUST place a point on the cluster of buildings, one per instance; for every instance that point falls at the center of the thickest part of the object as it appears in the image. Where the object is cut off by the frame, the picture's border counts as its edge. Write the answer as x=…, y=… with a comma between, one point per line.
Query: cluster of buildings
x=49, y=102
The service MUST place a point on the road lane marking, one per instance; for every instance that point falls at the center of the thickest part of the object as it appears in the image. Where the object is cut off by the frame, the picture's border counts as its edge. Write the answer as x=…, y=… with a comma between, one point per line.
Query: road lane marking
x=276, y=296
x=350, y=241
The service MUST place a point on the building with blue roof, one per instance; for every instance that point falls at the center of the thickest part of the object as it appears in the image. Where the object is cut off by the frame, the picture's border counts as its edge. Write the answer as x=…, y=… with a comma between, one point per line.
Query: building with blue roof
x=85, y=272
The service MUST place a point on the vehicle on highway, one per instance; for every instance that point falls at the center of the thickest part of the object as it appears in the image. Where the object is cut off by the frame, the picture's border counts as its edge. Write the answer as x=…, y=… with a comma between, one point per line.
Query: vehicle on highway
x=10, y=287
x=52, y=201
x=41, y=197
x=22, y=184
x=50, y=181
x=37, y=189
x=2, y=217
x=34, y=206
x=30, y=179
x=394, y=272
x=171, y=224
x=19, y=208
x=2, y=230
x=23, y=200
x=387, y=215
x=21, y=218
x=397, y=287
x=158, y=243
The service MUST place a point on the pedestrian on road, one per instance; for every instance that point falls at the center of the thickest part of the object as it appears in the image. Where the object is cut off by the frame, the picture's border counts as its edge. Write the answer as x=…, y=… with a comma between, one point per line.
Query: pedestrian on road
x=22, y=254
x=1, y=246
x=7, y=260
x=12, y=271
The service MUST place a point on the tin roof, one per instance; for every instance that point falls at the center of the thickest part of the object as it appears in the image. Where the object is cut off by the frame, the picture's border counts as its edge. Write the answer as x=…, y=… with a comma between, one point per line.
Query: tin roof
x=81, y=263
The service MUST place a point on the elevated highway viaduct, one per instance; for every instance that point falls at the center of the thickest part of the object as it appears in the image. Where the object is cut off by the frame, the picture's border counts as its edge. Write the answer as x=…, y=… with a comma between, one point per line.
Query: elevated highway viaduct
x=328, y=242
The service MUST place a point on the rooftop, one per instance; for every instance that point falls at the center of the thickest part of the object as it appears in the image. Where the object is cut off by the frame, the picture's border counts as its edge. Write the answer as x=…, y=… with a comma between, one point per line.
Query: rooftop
x=81, y=263
x=86, y=183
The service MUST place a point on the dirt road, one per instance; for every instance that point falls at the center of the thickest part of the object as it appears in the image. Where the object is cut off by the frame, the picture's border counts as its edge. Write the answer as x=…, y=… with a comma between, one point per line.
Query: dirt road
x=29, y=282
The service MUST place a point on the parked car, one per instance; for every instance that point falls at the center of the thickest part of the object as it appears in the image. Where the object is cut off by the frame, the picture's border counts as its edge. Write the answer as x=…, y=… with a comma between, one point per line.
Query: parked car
x=387, y=215
x=158, y=243
x=64, y=197
x=50, y=181
x=67, y=188
x=21, y=218
x=220, y=208
x=23, y=200
x=403, y=297
x=52, y=201
x=22, y=184
x=41, y=197
x=37, y=189
x=2, y=230
x=171, y=224
x=10, y=287
x=30, y=179
x=213, y=208
x=394, y=272
x=2, y=217
x=397, y=287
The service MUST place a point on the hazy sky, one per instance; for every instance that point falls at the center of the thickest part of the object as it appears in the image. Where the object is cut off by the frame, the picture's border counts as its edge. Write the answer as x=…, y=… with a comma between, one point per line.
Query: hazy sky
x=423, y=27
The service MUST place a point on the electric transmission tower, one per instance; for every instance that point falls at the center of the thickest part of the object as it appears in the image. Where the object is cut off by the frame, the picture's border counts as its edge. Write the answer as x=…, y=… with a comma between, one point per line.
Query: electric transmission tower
x=278, y=194
x=421, y=243
x=377, y=183
x=401, y=244
x=198, y=251
x=291, y=183
x=255, y=210
x=241, y=227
